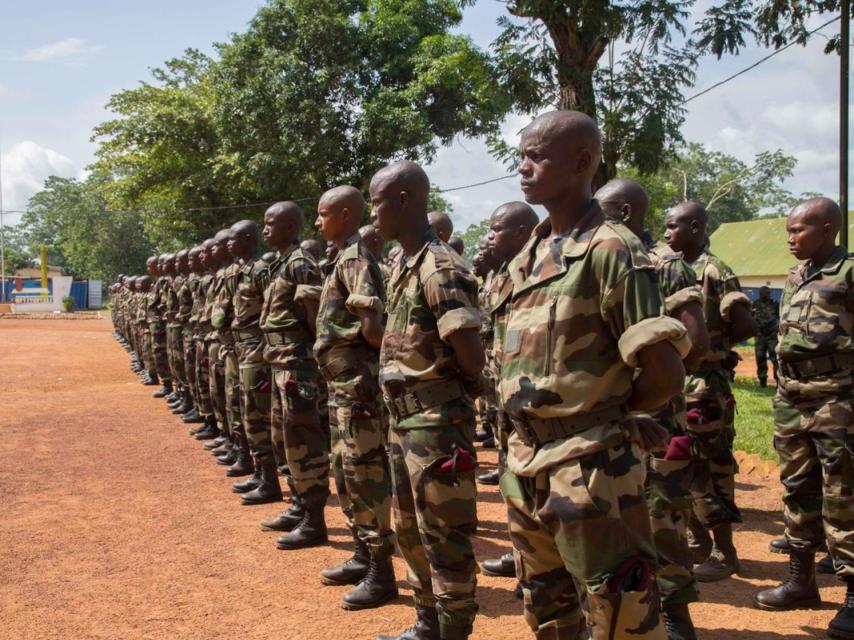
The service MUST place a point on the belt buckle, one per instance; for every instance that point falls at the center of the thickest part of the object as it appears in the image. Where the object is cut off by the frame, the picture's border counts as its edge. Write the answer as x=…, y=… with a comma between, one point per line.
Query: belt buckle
x=399, y=405
x=525, y=431
x=415, y=401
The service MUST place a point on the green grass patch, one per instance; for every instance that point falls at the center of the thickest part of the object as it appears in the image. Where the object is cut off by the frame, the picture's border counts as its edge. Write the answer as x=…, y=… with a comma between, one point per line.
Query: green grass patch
x=754, y=422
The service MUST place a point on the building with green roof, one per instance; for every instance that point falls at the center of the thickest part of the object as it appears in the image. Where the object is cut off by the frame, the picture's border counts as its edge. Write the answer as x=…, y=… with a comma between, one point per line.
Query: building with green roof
x=758, y=252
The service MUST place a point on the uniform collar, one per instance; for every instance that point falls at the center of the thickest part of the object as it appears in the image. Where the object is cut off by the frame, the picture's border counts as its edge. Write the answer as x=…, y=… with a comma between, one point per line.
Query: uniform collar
x=429, y=237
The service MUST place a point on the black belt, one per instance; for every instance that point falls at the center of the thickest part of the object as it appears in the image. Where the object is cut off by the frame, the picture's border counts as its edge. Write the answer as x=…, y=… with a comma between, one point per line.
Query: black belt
x=336, y=367
x=408, y=404
x=539, y=431
x=226, y=337
x=279, y=338
x=818, y=366
x=246, y=334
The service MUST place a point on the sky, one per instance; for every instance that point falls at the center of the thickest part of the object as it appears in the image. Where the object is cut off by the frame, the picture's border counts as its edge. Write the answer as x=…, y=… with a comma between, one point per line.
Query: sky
x=60, y=62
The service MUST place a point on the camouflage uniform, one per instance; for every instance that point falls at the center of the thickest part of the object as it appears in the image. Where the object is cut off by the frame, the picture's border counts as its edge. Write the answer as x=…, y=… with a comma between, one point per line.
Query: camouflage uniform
x=668, y=480
x=487, y=404
x=813, y=413
x=710, y=403
x=174, y=341
x=351, y=368
x=202, y=329
x=255, y=375
x=143, y=328
x=498, y=303
x=216, y=361
x=431, y=295
x=156, y=314
x=767, y=325
x=299, y=436
x=188, y=321
x=222, y=319
x=582, y=307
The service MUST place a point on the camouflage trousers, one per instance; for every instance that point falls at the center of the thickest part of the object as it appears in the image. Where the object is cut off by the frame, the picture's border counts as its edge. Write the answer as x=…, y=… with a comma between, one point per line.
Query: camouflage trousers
x=299, y=437
x=216, y=365
x=585, y=522
x=765, y=349
x=159, y=351
x=175, y=351
x=435, y=516
x=146, y=350
x=668, y=499
x=360, y=450
x=487, y=404
x=204, y=403
x=256, y=386
x=711, y=421
x=815, y=442
x=189, y=344
x=231, y=371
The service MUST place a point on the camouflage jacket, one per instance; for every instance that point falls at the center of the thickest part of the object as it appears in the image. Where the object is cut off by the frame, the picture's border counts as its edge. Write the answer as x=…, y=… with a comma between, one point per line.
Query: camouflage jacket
x=487, y=331
x=817, y=319
x=185, y=300
x=583, y=306
x=721, y=292
x=765, y=314
x=140, y=301
x=283, y=319
x=676, y=280
x=200, y=293
x=223, y=312
x=498, y=302
x=355, y=283
x=154, y=307
x=172, y=302
x=431, y=295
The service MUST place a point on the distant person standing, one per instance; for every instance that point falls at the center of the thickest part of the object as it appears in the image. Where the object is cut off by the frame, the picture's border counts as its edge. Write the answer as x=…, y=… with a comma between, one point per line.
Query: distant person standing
x=766, y=315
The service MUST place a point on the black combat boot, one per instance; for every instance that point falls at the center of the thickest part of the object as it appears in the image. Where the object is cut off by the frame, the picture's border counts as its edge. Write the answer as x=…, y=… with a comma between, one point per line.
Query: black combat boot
x=210, y=431
x=503, y=567
x=165, y=390
x=192, y=417
x=217, y=442
x=250, y=483
x=723, y=560
x=287, y=520
x=490, y=477
x=352, y=570
x=175, y=396
x=377, y=587
x=186, y=404
x=798, y=591
x=842, y=626
x=223, y=448
x=425, y=628
x=310, y=532
x=677, y=622
x=243, y=465
x=779, y=545
x=268, y=489
x=229, y=458
x=151, y=379
x=825, y=566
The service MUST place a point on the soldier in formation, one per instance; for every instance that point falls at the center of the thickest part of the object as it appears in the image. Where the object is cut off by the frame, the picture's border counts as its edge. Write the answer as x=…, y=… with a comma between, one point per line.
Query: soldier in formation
x=599, y=358
x=767, y=325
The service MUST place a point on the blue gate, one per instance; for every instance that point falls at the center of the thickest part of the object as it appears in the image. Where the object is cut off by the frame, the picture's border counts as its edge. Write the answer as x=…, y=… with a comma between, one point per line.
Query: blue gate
x=80, y=293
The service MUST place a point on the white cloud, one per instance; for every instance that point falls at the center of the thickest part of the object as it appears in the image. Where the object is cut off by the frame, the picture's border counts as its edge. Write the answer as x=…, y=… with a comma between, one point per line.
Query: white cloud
x=25, y=166
x=61, y=49
x=4, y=90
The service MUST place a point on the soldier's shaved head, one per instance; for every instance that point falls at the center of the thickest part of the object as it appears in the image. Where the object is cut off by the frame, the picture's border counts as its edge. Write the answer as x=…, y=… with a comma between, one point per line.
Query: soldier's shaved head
x=345, y=197
x=404, y=176
x=820, y=210
x=685, y=228
x=442, y=224
x=372, y=239
x=510, y=226
x=690, y=211
x=399, y=194
x=244, y=227
x=286, y=210
x=517, y=213
x=624, y=201
x=282, y=226
x=456, y=243
x=313, y=247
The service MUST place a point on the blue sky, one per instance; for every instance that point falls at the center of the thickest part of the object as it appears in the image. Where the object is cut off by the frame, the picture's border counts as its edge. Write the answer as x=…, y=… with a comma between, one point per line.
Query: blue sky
x=60, y=62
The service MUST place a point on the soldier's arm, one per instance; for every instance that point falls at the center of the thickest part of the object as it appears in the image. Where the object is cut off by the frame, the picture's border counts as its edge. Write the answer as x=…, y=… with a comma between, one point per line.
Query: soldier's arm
x=468, y=349
x=365, y=299
x=691, y=315
x=661, y=376
x=741, y=324
x=452, y=297
x=307, y=276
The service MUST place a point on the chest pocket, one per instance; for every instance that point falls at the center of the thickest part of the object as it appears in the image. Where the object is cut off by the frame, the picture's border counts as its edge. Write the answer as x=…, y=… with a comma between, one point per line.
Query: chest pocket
x=798, y=312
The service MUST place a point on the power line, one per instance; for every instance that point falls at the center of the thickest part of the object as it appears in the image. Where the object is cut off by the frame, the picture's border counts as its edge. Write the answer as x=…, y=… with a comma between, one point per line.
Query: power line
x=757, y=63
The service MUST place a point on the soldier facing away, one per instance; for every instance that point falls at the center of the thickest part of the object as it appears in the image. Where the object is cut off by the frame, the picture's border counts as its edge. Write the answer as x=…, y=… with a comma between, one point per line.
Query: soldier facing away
x=765, y=313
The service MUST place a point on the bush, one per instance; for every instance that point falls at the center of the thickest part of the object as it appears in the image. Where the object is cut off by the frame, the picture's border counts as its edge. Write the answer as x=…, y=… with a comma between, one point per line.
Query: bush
x=68, y=304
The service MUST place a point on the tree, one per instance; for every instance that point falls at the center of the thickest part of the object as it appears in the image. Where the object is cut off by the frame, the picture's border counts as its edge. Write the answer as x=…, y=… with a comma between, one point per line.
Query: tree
x=315, y=93
x=81, y=232
x=550, y=55
x=729, y=189
x=726, y=25
x=17, y=250
x=472, y=237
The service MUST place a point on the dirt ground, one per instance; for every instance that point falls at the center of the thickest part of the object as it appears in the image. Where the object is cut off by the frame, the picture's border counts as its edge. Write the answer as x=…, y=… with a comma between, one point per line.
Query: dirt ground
x=118, y=525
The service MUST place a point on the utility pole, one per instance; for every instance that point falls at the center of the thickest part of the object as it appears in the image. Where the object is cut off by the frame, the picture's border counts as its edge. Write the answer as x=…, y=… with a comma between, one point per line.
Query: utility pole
x=845, y=45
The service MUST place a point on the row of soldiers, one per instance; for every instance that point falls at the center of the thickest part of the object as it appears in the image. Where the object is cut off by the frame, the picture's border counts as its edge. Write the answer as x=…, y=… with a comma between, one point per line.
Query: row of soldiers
x=602, y=362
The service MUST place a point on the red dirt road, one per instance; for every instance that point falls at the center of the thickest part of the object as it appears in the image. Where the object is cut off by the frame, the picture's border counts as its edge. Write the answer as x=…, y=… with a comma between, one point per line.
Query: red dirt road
x=118, y=525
